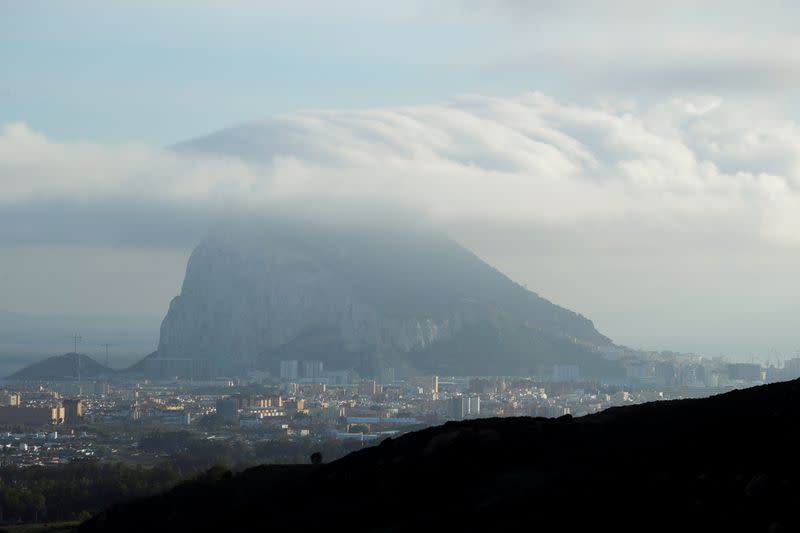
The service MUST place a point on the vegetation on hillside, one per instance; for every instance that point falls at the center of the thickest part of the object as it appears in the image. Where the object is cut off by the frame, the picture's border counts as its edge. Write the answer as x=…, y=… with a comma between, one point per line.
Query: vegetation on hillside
x=77, y=491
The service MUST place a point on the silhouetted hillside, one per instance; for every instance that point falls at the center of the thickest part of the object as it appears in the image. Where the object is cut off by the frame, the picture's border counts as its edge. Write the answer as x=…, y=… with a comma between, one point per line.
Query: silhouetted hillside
x=66, y=366
x=717, y=464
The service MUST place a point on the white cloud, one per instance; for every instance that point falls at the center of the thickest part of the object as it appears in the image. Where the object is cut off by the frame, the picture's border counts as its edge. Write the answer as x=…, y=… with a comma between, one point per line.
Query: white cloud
x=531, y=159
x=651, y=219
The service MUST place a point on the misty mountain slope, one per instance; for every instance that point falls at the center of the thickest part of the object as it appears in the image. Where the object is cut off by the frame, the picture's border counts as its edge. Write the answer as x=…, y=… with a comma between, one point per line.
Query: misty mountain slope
x=716, y=464
x=366, y=297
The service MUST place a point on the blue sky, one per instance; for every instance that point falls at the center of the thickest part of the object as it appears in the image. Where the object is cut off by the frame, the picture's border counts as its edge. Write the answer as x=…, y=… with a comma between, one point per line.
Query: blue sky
x=163, y=74
x=166, y=71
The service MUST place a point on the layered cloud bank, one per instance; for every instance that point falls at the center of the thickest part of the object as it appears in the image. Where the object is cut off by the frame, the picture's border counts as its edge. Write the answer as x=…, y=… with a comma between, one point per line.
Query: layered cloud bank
x=683, y=164
x=674, y=225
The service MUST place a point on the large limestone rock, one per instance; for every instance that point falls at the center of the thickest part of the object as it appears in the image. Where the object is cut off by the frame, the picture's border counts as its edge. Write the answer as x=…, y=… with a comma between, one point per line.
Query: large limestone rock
x=361, y=299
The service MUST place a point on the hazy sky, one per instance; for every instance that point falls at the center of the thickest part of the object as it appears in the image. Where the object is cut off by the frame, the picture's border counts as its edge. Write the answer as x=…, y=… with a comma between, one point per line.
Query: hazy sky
x=638, y=162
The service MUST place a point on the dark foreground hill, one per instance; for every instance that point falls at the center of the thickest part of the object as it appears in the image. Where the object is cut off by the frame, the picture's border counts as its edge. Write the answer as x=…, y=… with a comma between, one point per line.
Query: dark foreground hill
x=66, y=366
x=717, y=464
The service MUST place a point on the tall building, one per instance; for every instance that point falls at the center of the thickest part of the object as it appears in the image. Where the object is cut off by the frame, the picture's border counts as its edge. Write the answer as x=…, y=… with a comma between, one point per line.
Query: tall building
x=387, y=376
x=791, y=369
x=312, y=369
x=455, y=408
x=665, y=372
x=73, y=411
x=428, y=384
x=339, y=377
x=298, y=404
x=9, y=399
x=367, y=387
x=228, y=409
x=31, y=416
x=566, y=373
x=461, y=407
x=501, y=386
x=289, y=370
x=710, y=377
x=474, y=405
x=744, y=371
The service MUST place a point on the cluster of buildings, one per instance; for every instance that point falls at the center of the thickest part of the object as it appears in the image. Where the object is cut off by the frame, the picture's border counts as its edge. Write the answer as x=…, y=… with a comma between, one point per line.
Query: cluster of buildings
x=52, y=447
x=695, y=372
x=42, y=408
x=57, y=421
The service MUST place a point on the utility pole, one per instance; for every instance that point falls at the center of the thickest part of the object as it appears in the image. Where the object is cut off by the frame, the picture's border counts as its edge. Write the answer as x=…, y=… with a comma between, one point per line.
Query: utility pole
x=76, y=339
x=107, y=344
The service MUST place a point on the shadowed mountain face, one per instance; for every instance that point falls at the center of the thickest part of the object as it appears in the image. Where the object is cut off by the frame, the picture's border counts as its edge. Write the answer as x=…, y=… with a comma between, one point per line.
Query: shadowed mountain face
x=363, y=298
x=66, y=366
x=717, y=464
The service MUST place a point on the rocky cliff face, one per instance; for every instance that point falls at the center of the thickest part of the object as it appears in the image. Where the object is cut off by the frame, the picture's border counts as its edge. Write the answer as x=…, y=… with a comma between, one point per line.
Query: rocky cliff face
x=239, y=304
x=354, y=298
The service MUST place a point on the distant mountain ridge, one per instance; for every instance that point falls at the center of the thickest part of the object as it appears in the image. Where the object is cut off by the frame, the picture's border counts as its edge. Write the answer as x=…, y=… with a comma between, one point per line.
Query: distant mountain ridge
x=66, y=366
x=364, y=297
